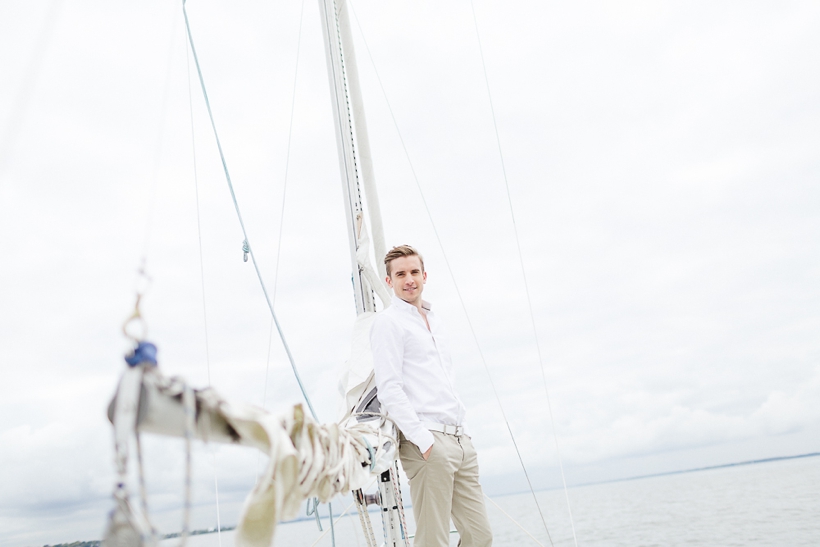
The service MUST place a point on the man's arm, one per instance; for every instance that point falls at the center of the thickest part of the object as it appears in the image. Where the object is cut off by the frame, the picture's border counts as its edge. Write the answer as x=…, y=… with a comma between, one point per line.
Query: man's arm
x=387, y=343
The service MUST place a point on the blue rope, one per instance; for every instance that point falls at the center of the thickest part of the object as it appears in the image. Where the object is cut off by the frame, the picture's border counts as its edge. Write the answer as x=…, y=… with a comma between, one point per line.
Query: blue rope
x=332, y=528
x=246, y=247
x=314, y=510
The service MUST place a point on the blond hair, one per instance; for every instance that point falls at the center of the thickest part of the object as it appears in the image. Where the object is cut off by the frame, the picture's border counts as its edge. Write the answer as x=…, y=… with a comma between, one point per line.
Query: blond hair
x=398, y=252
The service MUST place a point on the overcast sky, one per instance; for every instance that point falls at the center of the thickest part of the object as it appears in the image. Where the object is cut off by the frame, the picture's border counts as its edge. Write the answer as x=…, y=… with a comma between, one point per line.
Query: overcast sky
x=663, y=167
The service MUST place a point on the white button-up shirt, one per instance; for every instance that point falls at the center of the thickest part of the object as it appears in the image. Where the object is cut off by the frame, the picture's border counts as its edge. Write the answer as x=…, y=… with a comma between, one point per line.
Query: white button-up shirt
x=414, y=373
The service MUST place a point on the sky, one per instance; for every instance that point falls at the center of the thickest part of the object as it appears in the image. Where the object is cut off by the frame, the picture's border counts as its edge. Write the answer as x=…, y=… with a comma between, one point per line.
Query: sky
x=662, y=165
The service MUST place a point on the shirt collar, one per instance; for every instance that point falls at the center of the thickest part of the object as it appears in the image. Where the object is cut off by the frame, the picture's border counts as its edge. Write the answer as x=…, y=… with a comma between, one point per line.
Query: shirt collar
x=406, y=306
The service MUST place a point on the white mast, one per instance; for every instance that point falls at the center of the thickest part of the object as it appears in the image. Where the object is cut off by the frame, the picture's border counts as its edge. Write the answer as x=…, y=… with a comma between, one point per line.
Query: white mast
x=356, y=167
x=355, y=162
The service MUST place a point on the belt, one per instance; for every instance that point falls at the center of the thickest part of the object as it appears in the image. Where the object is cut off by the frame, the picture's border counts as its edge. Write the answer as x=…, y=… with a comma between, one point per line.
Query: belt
x=447, y=429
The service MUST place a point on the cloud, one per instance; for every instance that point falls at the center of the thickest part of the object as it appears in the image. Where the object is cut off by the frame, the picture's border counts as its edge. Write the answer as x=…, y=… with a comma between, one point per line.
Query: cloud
x=784, y=412
x=63, y=475
x=662, y=168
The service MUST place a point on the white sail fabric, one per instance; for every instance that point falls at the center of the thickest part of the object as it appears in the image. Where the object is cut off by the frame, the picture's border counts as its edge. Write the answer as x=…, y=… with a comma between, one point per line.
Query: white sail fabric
x=307, y=459
x=357, y=379
x=126, y=525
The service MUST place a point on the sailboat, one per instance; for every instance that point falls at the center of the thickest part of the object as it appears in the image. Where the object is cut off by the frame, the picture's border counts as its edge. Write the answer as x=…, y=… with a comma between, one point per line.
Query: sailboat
x=307, y=459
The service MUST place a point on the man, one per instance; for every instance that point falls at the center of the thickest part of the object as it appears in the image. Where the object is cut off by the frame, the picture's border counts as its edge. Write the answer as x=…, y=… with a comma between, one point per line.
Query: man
x=415, y=387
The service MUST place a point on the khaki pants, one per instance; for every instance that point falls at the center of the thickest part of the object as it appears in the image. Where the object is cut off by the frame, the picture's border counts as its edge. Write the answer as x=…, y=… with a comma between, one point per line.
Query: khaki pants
x=444, y=486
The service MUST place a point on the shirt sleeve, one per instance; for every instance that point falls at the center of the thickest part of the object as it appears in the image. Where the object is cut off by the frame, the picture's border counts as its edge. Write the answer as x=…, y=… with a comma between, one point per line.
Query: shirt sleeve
x=387, y=344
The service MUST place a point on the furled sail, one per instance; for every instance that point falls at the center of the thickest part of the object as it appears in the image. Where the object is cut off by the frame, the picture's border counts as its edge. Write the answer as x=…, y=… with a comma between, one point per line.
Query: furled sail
x=306, y=459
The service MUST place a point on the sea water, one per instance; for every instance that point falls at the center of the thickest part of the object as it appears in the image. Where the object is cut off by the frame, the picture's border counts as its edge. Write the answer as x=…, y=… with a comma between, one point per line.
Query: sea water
x=766, y=504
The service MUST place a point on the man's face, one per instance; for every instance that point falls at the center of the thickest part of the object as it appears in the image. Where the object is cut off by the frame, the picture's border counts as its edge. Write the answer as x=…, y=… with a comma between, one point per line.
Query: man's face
x=407, y=278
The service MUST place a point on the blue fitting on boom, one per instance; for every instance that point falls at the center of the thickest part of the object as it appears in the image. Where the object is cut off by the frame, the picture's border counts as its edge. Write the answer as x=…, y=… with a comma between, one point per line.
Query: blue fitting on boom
x=145, y=352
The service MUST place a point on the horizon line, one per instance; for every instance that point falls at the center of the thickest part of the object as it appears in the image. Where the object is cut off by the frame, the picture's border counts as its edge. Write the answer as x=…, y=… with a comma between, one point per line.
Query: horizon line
x=678, y=472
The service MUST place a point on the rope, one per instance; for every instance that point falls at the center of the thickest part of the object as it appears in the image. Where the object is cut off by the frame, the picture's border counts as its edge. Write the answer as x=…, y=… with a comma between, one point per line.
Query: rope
x=189, y=405
x=216, y=491
x=331, y=524
x=246, y=247
x=239, y=214
x=513, y=520
x=342, y=515
x=152, y=198
x=202, y=278
x=394, y=476
x=332, y=528
x=141, y=479
x=364, y=518
x=198, y=219
x=142, y=276
x=284, y=196
x=313, y=510
x=452, y=276
x=523, y=272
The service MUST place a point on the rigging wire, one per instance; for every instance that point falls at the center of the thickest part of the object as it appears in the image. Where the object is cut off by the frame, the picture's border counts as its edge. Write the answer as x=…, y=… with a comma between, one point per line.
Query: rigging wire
x=284, y=194
x=523, y=272
x=332, y=522
x=198, y=222
x=143, y=280
x=239, y=214
x=202, y=279
x=246, y=244
x=152, y=197
x=282, y=216
x=452, y=275
x=513, y=520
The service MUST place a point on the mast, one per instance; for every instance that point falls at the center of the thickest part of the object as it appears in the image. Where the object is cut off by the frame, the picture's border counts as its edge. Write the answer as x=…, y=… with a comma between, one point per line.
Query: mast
x=355, y=161
x=356, y=169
